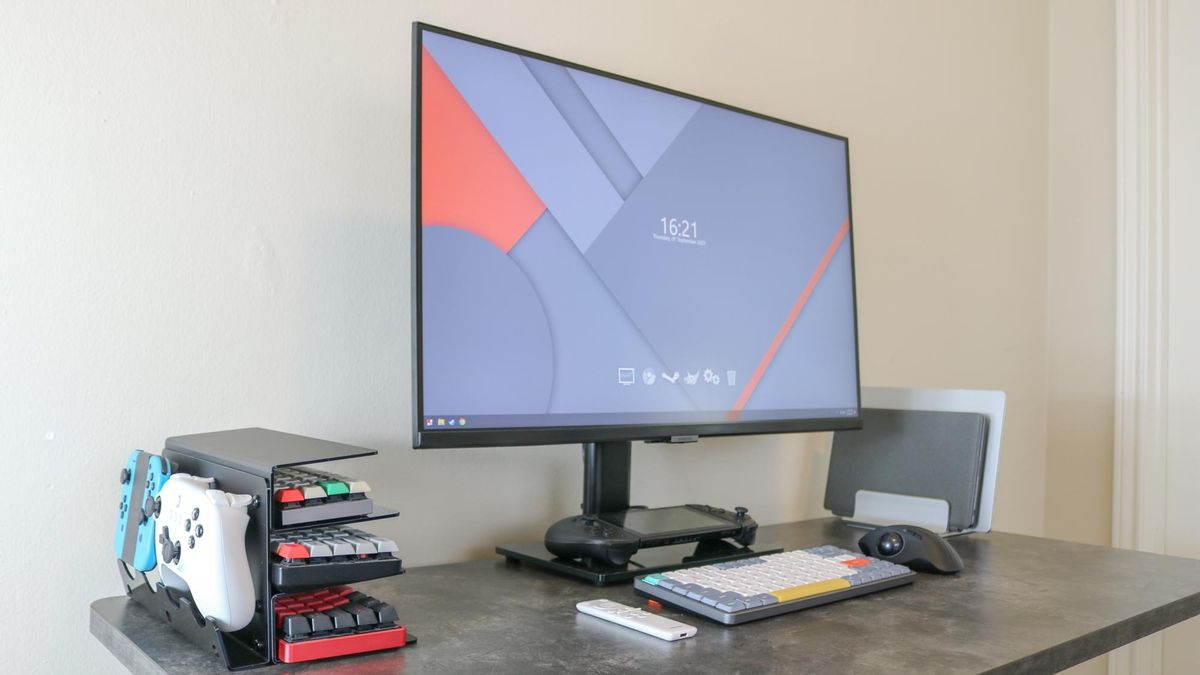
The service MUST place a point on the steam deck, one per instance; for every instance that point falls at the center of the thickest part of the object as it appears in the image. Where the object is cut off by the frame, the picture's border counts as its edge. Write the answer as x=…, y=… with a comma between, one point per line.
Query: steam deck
x=612, y=538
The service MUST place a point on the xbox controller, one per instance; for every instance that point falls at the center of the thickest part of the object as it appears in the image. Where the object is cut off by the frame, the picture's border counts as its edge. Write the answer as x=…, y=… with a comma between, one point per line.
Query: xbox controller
x=911, y=546
x=141, y=480
x=202, y=532
x=591, y=538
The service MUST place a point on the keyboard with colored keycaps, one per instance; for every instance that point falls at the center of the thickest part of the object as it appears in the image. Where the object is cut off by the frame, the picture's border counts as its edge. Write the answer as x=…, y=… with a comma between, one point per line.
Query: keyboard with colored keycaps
x=334, y=622
x=325, y=556
x=305, y=495
x=755, y=588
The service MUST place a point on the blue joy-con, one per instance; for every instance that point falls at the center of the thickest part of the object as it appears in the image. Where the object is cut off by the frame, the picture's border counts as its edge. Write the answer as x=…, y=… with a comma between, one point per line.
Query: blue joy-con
x=141, y=480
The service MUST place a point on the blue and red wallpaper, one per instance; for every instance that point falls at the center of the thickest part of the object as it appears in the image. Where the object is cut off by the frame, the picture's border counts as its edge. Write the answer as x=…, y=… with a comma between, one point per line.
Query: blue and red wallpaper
x=598, y=252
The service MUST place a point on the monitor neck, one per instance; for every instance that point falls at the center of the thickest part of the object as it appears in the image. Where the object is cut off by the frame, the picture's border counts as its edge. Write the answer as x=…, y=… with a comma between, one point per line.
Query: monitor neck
x=606, y=468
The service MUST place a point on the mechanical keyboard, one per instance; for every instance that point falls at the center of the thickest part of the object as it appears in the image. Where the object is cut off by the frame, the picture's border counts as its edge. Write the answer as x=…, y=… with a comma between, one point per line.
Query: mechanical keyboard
x=307, y=495
x=334, y=622
x=327, y=556
x=755, y=588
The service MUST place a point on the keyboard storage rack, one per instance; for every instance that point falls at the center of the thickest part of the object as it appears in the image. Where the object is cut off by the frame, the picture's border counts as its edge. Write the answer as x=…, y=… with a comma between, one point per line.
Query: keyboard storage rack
x=243, y=461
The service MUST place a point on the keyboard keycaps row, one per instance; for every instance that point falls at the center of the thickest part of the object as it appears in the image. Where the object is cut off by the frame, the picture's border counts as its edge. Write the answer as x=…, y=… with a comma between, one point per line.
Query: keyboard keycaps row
x=326, y=544
x=298, y=485
x=331, y=611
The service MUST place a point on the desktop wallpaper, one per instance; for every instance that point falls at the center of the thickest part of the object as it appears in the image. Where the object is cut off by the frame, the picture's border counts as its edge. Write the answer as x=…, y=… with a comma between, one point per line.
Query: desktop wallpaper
x=598, y=252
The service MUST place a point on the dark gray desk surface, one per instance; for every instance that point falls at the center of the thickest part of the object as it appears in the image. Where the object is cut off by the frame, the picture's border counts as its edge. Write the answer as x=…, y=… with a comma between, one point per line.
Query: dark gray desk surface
x=1023, y=604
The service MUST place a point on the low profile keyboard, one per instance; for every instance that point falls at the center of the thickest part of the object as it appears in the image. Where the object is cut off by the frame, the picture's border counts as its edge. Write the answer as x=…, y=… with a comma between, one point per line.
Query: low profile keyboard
x=755, y=588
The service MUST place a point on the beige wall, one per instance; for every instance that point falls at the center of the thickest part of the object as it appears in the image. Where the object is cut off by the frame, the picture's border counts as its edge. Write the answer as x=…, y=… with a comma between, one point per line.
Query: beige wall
x=1080, y=292
x=204, y=219
x=1081, y=268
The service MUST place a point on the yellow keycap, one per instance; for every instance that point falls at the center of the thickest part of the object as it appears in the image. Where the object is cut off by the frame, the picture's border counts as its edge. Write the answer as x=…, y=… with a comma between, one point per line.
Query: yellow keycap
x=809, y=590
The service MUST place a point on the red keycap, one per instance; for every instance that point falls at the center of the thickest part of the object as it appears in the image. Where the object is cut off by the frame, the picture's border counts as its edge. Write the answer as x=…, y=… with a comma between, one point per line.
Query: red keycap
x=288, y=495
x=291, y=551
x=857, y=562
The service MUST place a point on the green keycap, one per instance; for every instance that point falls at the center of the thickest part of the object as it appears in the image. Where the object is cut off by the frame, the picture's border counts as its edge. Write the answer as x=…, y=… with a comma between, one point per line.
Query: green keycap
x=334, y=487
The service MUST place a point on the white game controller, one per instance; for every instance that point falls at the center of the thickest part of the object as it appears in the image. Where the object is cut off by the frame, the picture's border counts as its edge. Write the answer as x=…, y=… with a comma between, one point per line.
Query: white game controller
x=202, y=533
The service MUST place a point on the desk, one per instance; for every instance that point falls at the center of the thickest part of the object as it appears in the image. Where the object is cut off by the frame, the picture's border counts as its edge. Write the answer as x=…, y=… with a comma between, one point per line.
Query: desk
x=1023, y=604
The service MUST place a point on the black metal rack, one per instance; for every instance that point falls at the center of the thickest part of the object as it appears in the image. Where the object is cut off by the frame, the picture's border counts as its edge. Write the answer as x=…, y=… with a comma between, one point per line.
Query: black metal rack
x=243, y=461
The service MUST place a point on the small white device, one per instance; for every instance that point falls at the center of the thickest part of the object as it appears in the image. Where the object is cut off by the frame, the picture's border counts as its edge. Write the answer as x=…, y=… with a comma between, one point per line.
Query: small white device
x=638, y=619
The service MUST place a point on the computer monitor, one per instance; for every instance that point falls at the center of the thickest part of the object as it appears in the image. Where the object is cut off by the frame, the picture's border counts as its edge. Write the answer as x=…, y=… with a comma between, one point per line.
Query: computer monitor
x=601, y=259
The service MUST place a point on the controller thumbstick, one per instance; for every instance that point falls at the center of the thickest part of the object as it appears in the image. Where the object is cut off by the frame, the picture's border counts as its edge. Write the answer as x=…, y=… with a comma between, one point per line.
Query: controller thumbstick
x=169, y=554
x=740, y=512
x=125, y=476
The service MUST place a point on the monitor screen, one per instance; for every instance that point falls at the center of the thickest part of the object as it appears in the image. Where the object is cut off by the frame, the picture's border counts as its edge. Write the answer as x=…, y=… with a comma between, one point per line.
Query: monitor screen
x=597, y=258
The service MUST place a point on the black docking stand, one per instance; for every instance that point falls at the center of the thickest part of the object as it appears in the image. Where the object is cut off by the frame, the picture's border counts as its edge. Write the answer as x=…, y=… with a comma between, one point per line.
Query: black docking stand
x=612, y=541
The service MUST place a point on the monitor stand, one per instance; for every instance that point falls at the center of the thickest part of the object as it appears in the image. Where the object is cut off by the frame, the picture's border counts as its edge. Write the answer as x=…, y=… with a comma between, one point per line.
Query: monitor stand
x=606, y=478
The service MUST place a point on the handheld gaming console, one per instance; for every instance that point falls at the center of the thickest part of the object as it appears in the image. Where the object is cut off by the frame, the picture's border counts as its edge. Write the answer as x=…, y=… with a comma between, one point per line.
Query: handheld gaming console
x=203, y=535
x=141, y=480
x=612, y=538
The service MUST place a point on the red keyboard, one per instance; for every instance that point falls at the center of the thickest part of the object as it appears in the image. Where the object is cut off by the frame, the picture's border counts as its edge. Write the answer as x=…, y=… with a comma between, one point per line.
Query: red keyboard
x=334, y=621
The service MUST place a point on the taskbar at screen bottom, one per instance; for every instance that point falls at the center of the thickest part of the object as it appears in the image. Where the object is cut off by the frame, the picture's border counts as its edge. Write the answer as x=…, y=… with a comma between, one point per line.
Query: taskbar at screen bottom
x=443, y=422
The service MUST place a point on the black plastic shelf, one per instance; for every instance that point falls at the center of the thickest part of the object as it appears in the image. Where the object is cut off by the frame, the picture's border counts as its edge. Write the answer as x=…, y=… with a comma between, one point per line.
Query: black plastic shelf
x=645, y=561
x=261, y=451
x=303, y=576
x=379, y=513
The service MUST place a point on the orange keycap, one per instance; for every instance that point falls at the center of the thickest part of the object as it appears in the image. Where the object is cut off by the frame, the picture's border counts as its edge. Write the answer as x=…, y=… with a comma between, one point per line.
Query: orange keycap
x=291, y=551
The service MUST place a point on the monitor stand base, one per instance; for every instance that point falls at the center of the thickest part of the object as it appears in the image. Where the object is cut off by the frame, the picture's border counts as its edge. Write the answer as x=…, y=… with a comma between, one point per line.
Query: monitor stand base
x=645, y=561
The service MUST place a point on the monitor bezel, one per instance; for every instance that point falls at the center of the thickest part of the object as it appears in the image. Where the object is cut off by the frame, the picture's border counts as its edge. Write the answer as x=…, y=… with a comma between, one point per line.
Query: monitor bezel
x=552, y=435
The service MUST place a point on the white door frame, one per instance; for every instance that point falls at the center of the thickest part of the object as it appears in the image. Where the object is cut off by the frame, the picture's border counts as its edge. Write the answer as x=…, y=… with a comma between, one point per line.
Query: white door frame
x=1140, y=434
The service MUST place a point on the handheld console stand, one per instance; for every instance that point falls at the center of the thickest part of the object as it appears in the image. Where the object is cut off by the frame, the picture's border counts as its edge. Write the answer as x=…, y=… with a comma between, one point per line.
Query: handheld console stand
x=600, y=544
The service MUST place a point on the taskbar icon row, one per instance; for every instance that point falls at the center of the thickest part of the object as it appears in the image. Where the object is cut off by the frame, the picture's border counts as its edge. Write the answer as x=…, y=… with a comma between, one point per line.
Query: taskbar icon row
x=629, y=377
x=436, y=422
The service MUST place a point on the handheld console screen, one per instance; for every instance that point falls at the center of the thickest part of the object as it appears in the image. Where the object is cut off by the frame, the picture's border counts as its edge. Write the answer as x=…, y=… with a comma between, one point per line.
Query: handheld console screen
x=667, y=520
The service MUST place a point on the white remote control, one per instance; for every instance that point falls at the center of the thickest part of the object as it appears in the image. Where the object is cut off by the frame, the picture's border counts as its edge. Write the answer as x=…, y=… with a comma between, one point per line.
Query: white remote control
x=638, y=619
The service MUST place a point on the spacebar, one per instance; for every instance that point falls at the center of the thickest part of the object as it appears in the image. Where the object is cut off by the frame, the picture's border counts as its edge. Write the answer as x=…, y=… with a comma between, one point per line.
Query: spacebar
x=809, y=590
